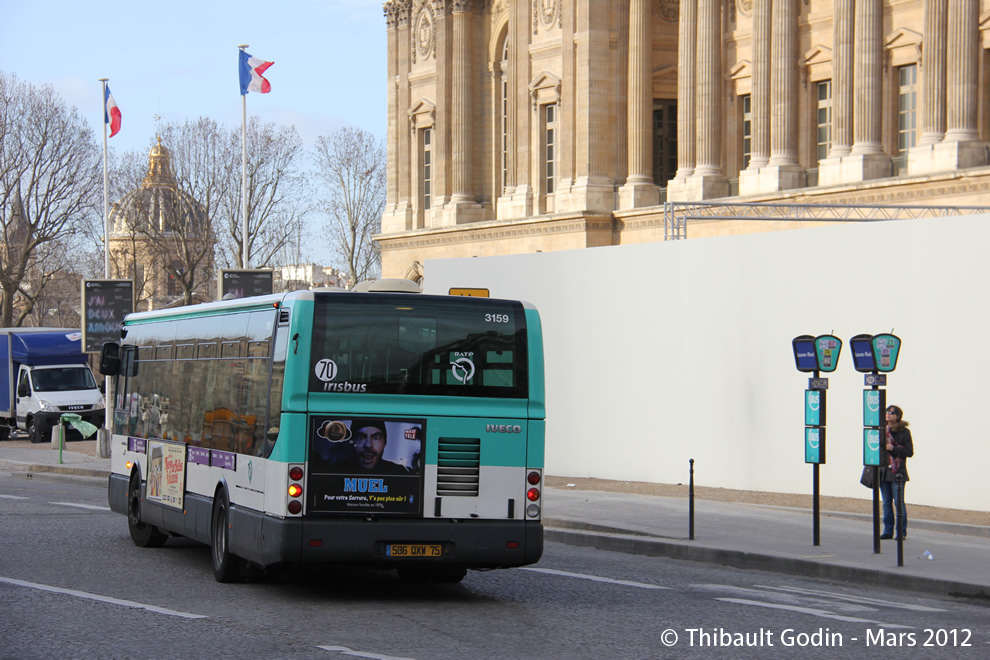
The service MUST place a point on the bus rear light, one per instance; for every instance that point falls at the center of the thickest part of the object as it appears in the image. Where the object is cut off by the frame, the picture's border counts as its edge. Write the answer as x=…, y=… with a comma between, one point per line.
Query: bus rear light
x=533, y=478
x=295, y=490
x=295, y=506
x=533, y=494
x=511, y=545
x=296, y=473
x=533, y=510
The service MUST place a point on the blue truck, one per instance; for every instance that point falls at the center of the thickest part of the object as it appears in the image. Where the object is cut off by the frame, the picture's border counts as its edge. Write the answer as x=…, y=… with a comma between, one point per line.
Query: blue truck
x=44, y=374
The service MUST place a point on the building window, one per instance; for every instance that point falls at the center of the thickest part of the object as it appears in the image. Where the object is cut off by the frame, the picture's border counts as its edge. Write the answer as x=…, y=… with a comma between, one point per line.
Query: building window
x=550, y=148
x=427, y=166
x=747, y=130
x=824, y=119
x=664, y=140
x=907, y=107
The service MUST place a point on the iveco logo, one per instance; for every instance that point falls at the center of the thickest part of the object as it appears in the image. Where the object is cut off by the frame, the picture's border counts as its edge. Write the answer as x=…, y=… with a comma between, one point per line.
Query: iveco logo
x=503, y=428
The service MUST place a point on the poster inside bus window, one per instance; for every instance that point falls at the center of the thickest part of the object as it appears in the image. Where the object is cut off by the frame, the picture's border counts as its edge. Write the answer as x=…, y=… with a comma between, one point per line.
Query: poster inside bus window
x=366, y=466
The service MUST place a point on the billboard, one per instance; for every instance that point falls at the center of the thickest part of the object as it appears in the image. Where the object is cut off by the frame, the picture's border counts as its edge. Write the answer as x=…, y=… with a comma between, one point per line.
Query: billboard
x=366, y=466
x=105, y=303
x=245, y=283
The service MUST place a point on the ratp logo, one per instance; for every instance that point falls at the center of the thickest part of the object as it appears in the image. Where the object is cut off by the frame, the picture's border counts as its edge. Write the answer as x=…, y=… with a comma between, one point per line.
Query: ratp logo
x=462, y=369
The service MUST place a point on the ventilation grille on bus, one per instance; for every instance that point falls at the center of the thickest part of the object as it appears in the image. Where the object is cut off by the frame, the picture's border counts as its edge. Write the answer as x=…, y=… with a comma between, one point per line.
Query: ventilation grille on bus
x=283, y=316
x=458, y=467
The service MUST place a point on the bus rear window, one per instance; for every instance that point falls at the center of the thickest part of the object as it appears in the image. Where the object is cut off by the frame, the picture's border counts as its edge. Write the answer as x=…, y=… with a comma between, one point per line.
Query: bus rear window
x=402, y=344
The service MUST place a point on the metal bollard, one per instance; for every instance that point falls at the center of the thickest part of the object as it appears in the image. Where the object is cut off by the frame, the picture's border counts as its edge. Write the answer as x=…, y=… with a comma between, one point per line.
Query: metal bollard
x=899, y=523
x=691, y=501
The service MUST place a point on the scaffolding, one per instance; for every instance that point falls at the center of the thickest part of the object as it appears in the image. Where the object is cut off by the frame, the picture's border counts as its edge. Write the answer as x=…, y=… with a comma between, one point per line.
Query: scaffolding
x=676, y=215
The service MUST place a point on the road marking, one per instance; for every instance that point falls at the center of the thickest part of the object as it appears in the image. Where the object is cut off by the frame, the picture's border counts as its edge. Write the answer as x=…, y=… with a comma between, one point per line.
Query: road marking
x=102, y=599
x=83, y=506
x=825, y=614
x=13, y=497
x=594, y=578
x=856, y=599
x=362, y=654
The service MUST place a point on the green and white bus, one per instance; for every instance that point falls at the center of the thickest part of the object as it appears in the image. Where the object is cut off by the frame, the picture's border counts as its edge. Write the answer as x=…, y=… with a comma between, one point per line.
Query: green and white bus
x=384, y=429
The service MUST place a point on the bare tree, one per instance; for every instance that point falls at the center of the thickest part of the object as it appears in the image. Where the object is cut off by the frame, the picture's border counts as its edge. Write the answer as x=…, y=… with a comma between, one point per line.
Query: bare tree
x=277, y=200
x=351, y=166
x=49, y=184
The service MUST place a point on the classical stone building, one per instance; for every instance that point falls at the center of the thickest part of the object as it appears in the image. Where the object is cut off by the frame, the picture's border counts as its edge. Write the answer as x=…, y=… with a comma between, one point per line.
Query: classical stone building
x=160, y=238
x=528, y=125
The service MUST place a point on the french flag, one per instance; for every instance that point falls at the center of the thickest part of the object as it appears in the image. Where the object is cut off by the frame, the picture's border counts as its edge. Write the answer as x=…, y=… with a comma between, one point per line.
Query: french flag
x=251, y=70
x=111, y=113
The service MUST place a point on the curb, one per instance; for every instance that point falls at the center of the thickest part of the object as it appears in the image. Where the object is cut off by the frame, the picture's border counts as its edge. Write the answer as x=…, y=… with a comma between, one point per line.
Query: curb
x=654, y=547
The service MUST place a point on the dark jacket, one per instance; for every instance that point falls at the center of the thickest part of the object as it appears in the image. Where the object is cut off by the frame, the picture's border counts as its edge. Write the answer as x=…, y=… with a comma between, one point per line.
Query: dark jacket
x=895, y=460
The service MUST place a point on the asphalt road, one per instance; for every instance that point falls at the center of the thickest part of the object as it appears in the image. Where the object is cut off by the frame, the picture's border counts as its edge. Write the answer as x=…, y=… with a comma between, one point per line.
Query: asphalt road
x=73, y=585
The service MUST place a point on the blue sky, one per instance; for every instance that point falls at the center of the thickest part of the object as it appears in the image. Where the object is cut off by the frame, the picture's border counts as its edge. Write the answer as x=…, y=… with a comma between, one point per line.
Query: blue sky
x=178, y=59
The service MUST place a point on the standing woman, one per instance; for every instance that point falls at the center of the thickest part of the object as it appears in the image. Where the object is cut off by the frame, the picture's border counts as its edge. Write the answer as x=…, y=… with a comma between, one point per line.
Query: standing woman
x=899, y=448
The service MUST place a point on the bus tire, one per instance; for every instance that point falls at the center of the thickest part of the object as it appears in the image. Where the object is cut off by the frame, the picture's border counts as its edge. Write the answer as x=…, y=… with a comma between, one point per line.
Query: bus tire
x=226, y=567
x=144, y=535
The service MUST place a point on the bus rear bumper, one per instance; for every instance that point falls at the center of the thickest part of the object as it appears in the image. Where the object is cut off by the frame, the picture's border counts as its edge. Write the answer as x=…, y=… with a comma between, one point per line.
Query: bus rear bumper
x=475, y=544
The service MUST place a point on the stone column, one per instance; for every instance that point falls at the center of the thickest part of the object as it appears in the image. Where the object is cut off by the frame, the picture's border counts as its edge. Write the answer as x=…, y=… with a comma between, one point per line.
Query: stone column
x=842, y=78
x=460, y=104
x=708, y=180
x=868, y=70
x=961, y=147
x=639, y=189
x=398, y=213
x=921, y=158
x=782, y=170
x=687, y=34
x=933, y=73
x=760, y=96
x=866, y=159
x=963, y=63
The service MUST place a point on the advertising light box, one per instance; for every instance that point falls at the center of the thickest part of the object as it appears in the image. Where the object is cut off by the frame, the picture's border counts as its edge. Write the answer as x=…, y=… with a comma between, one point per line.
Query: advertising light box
x=814, y=444
x=874, y=403
x=885, y=350
x=827, y=350
x=862, y=351
x=814, y=408
x=804, y=353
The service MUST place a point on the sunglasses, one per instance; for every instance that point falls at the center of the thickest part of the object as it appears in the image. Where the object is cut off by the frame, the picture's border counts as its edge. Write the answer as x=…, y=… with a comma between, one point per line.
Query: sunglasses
x=891, y=412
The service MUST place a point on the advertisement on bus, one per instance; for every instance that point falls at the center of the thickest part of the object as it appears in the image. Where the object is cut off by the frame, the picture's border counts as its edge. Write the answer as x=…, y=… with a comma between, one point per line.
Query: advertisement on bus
x=366, y=465
x=166, y=472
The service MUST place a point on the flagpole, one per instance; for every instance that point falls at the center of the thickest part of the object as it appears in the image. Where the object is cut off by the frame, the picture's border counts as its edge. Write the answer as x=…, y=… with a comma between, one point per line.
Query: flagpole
x=107, y=382
x=244, y=199
x=106, y=218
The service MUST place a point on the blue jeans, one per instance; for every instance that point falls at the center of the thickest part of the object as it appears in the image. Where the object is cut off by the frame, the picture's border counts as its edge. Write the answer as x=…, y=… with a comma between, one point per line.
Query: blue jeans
x=888, y=491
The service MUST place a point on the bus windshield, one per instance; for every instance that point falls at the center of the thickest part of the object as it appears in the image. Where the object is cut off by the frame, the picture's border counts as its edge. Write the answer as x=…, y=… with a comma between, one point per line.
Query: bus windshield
x=402, y=344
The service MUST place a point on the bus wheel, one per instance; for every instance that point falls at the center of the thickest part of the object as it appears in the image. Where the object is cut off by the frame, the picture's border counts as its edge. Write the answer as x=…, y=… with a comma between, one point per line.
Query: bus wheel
x=226, y=567
x=447, y=575
x=143, y=534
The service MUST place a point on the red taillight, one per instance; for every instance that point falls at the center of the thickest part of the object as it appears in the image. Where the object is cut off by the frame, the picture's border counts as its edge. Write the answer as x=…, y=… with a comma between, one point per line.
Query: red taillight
x=533, y=494
x=295, y=490
x=533, y=478
x=296, y=473
x=295, y=506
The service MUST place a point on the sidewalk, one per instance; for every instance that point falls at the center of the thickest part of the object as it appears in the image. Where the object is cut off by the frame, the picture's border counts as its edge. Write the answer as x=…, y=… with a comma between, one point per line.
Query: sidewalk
x=749, y=536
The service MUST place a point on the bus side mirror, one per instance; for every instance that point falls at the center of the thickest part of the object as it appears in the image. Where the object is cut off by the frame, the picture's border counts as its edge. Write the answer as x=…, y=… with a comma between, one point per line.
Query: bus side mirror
x=110, y=359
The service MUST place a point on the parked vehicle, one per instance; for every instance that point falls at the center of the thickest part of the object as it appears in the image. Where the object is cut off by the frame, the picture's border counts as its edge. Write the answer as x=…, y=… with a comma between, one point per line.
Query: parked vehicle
x=43, y=375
